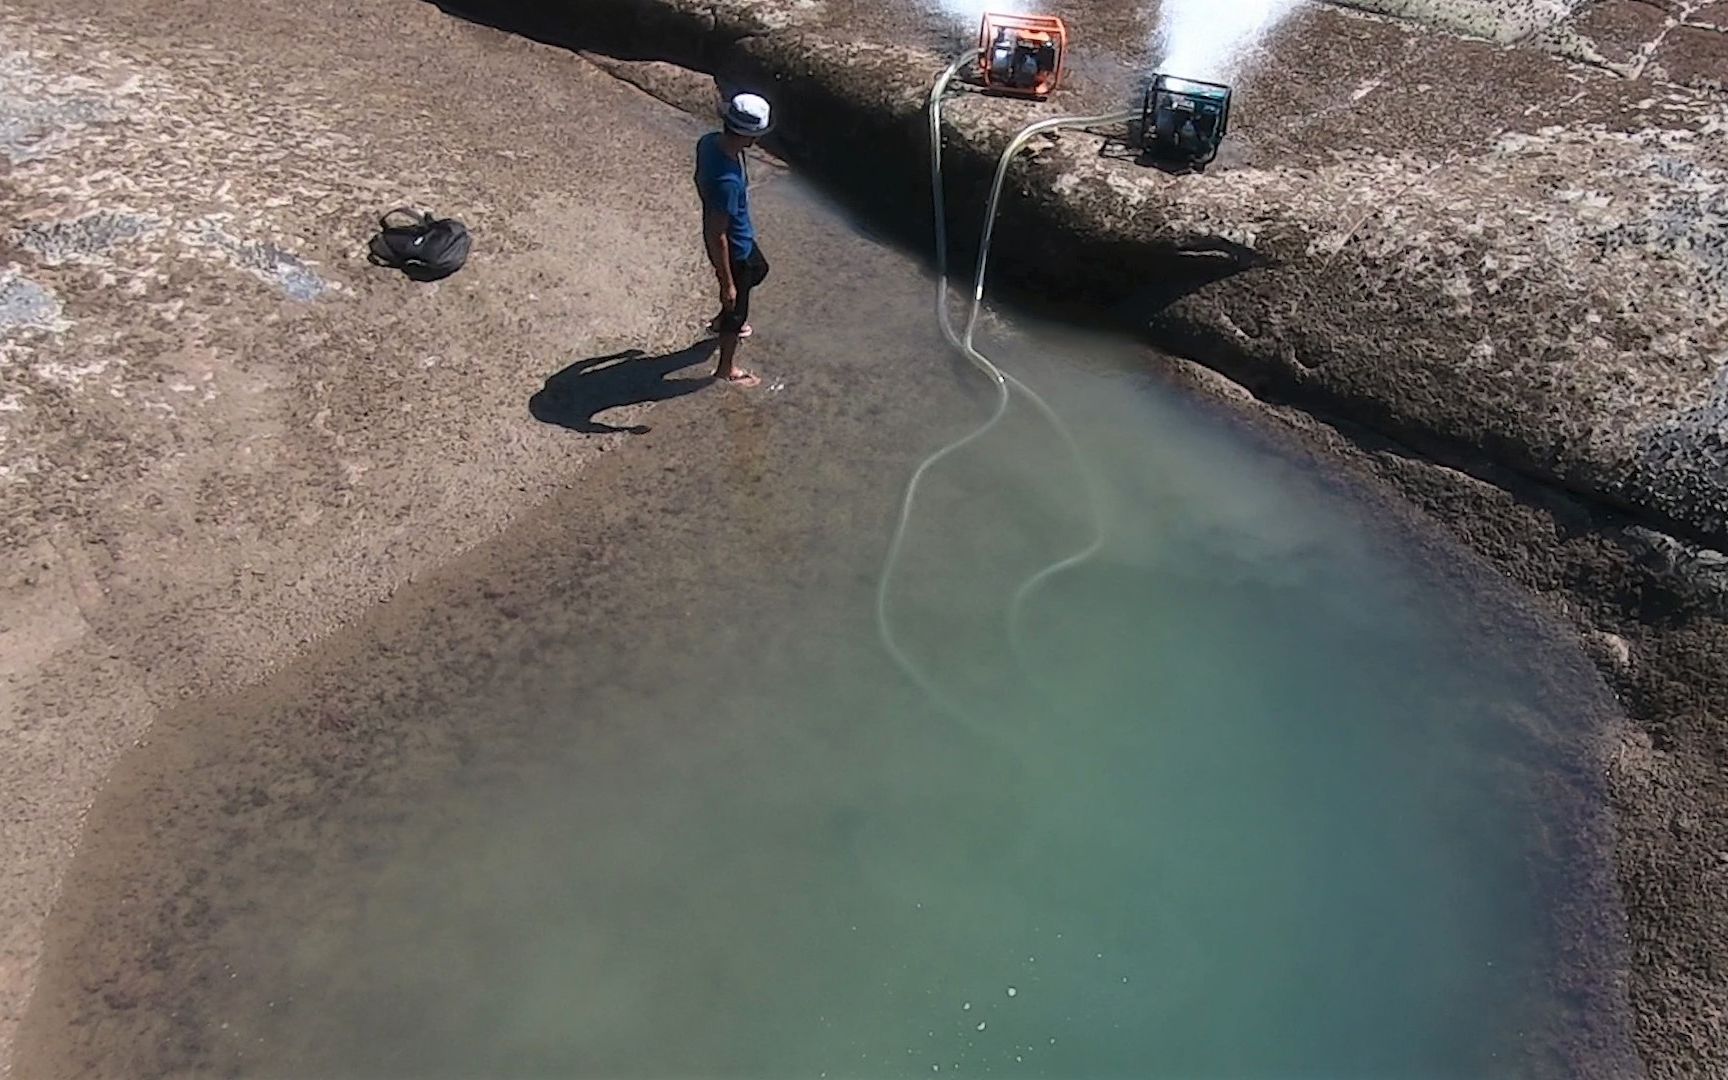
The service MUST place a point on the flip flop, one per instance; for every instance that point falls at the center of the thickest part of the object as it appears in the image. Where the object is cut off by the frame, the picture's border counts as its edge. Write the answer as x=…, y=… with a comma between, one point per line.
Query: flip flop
x=746, y=379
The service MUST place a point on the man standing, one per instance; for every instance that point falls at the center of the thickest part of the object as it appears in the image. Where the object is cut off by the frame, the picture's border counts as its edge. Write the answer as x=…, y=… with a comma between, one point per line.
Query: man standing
x=727, y=231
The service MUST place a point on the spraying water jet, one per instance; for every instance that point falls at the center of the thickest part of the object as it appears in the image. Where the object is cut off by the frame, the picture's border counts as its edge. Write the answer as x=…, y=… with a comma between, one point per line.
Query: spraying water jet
x=1211, y=39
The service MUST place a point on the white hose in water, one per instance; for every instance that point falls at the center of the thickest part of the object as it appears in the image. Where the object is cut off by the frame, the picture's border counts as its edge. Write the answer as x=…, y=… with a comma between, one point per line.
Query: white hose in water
x=1002, y=380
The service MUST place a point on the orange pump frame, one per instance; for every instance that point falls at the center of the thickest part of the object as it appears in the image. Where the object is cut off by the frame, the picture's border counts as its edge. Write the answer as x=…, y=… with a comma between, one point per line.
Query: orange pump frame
x=1027, y=30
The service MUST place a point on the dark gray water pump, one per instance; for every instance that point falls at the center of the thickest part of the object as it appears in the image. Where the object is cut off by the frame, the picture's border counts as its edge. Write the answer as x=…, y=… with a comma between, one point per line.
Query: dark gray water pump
x=1182, y=121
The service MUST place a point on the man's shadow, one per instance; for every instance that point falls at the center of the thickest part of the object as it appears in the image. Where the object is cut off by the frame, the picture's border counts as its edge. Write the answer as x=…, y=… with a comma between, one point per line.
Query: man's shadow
x=574, y=396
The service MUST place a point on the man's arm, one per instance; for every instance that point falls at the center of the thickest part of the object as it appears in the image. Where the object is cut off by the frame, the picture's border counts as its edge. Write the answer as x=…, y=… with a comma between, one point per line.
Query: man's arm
x=719, y=247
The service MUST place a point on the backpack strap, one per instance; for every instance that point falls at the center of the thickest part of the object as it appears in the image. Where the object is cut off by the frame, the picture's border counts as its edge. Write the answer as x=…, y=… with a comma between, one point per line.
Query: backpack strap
x=422, y=218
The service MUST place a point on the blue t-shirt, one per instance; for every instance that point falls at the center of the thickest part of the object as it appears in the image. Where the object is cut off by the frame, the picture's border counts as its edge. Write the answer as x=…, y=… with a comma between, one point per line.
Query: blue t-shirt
x=723, y=186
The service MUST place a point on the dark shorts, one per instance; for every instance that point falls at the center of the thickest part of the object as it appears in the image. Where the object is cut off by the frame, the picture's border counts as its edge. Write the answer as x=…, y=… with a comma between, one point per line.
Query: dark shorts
x=746, y=275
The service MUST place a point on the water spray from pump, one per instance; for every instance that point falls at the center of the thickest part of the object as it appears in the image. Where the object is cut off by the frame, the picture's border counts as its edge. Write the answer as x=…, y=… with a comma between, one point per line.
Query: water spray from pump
x=967, y=13
x=1210, y=40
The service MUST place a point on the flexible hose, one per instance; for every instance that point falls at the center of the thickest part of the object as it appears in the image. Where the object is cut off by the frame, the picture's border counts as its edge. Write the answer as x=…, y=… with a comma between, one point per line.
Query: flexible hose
x=1096, y=544
x=883, y=625
x=1000, y=379
x=938, y=200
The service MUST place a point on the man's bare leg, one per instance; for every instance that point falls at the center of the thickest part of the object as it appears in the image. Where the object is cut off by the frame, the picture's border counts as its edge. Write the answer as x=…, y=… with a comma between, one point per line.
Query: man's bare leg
x=727, y=369
x=714, y=326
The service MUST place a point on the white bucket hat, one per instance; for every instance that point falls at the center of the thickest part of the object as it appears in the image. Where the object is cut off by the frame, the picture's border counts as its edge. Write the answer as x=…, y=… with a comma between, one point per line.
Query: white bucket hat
x=747, y=114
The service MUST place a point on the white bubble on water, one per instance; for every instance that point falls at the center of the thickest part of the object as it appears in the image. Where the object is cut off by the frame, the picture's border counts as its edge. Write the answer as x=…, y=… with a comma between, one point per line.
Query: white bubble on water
x=1012, y=991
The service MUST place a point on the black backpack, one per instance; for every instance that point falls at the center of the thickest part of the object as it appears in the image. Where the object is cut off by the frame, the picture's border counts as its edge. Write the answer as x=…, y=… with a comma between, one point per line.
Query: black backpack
x=428, y=250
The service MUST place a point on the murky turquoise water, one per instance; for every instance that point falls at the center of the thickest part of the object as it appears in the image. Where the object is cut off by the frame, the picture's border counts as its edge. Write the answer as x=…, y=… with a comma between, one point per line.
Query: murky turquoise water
x=1261, y=808
x=643, y=796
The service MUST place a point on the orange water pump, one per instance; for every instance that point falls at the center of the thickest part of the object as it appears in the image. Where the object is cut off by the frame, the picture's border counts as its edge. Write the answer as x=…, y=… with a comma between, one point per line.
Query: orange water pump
x=1023, y=55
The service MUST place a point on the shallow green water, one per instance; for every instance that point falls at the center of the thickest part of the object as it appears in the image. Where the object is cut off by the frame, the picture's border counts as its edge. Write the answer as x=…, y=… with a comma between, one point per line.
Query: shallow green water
x=637, y=792
x=1259, y=809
